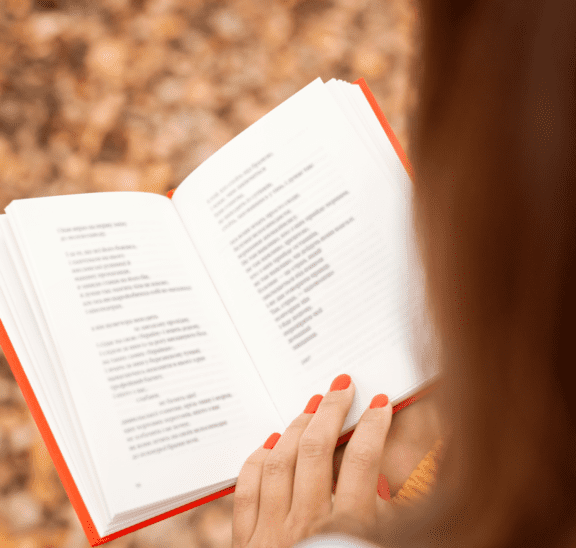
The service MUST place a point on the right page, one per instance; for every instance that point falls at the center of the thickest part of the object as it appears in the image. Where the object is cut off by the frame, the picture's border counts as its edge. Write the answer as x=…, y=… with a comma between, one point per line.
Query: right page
x=305, y=232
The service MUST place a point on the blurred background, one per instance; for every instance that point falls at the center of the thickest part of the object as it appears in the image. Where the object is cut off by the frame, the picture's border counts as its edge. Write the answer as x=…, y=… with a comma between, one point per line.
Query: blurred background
x=107, y=95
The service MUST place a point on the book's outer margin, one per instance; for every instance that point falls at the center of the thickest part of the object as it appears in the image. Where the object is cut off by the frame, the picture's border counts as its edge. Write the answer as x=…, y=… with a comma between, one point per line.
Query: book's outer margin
x=47, y=436
x=386, y=126
x=64, y=473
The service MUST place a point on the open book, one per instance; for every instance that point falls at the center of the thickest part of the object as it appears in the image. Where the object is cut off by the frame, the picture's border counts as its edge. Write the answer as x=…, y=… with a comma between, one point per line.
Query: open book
x=158, y=342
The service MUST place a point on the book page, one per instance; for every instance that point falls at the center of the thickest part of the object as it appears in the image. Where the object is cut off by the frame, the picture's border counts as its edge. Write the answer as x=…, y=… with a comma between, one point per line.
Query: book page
x=166, y=393
x=305, y=238
x=25, y=325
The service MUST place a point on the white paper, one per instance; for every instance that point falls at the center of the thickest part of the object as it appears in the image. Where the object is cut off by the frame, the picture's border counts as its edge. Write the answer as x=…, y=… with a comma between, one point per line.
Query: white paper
x=79, y=249
x=303, y=234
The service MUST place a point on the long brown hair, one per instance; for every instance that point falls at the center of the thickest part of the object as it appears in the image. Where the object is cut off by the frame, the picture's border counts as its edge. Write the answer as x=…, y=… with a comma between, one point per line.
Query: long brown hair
x=494, y=153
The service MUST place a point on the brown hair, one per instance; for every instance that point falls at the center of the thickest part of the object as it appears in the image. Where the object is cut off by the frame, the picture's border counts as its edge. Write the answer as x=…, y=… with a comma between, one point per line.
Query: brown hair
x=494, y=153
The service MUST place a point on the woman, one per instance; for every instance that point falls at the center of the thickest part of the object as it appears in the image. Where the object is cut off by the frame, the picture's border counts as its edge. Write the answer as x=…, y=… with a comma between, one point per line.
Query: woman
x=493, y=151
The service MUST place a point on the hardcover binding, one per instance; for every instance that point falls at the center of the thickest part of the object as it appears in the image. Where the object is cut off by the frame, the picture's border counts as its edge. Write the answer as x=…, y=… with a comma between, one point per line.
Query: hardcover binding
x=64, y=473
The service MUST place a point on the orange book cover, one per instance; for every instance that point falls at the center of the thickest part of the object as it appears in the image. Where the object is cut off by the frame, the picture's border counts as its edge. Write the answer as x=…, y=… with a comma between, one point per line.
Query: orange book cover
x=64, y=473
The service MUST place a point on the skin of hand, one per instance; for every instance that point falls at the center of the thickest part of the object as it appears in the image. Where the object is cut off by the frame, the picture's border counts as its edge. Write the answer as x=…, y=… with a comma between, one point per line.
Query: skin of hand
x=413, y=432
x=284, y=495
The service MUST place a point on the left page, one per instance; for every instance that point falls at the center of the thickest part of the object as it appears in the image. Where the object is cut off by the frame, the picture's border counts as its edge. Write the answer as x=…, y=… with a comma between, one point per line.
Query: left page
x=168, y=398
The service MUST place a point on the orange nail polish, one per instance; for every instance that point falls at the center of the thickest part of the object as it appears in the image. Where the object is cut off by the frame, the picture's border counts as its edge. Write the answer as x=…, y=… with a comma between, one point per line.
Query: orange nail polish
x=271, y=441
x=313, y=404
x=380, y=400
x=341, y=382
x=383, y=487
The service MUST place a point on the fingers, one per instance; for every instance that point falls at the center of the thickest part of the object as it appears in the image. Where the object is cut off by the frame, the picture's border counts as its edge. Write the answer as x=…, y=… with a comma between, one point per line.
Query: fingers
x=313, y=474
x=294, y=480
x=358, y=478
x=247, y=498
x=278, y=468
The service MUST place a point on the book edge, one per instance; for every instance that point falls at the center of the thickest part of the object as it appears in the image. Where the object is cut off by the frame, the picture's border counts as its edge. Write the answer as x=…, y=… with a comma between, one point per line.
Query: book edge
x=46, y=433
x=386, y=126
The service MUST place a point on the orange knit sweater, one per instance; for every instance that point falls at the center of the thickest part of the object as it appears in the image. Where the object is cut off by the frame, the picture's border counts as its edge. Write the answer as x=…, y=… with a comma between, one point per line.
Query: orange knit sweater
x=421, y=480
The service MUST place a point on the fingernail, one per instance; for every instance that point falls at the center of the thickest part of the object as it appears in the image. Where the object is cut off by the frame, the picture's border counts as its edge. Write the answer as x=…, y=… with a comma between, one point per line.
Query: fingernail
x=313, y=404
x=341, y=382
x=333, y=487
x=383, y=487
x=380, y=400
x=271, y=441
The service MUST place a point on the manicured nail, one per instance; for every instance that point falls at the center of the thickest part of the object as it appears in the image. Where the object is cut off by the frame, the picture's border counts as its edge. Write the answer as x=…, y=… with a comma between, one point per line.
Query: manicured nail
x=381, y=400
x=383, y=487
x=313, y=404
x=333, y=487
x=271, y=441
x=341, y=382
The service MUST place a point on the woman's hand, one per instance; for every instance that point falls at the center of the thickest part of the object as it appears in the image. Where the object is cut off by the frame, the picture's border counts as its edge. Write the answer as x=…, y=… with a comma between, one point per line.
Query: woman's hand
x=413, y=432
x=284, y=494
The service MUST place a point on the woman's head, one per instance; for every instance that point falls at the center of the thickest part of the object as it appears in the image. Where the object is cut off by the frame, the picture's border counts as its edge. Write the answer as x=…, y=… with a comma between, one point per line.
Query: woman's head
x=494, y=148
